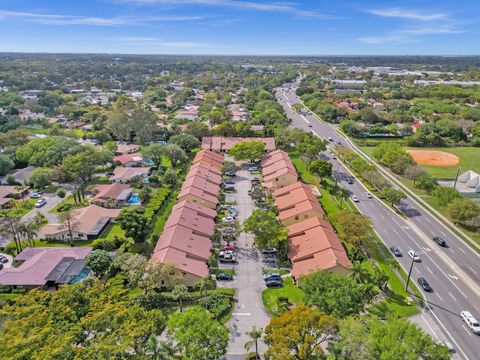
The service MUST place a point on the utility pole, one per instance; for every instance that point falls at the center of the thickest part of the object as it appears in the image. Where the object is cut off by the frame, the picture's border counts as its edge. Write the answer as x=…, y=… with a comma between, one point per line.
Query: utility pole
x=456, y=177
x=409, y=273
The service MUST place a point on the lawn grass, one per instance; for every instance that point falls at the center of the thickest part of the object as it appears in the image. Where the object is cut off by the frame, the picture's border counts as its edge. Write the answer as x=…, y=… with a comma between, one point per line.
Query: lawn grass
x=469, y=160
x=112, y=231
x=302, y=170
x=70, y=202
x=20, y=208
x=228, y=271
x=280, y=271
x=291, y=291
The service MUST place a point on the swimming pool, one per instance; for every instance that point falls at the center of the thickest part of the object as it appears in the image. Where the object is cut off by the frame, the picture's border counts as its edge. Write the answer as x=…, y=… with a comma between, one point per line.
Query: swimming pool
x=134, y=199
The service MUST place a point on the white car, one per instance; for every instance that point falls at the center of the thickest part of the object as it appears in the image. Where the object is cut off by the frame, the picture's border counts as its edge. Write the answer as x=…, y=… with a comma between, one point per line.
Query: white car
x=368, y=195
x=354, y=198
x=40, y=203
x=228, y=219
x=471, y=321
x=252, y=168
x=35, y=195
x=413, y=255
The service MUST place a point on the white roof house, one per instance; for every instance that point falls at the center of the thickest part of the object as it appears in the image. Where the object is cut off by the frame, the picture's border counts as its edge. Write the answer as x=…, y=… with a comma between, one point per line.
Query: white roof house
x=471, y=179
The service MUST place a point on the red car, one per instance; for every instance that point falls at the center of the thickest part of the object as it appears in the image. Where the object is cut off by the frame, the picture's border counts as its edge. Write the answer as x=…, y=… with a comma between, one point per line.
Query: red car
x=228, y=247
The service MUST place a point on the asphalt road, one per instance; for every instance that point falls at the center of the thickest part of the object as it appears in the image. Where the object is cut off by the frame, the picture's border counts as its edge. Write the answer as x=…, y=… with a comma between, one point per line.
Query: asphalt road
x=452, y=272
x=248, y=282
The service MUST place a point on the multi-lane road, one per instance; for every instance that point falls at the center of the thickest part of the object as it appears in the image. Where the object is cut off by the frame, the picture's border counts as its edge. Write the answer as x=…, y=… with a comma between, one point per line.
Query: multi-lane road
x=453, y=271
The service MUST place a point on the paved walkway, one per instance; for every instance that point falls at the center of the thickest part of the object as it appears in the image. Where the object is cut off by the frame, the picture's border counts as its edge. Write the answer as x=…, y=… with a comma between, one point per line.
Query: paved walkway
x=249, y=310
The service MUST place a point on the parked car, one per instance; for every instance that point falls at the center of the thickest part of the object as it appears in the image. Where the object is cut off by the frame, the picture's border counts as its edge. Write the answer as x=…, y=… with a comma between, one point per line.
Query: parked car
x=35, y=195
x=223, y=276
x=40, y=203
x=228, y=258
x=413, y=255
x=424, y=284
x=396, y=251
x=229, y=181
x=439, y=241
x=3, y=259
x=227, y=248
x=233, y=211
x=354, y=198
x=271, y=276
x=252, y=168
x=230, y=173
x=229, y=188
x=471, y=322
x=368, y=195
x=228, y=219
x=224, y=253
x=269, y=251
x=274, y=283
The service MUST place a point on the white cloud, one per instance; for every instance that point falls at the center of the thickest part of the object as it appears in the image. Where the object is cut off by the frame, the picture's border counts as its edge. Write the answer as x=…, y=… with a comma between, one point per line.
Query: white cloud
x=54, y=19
x=246, y=5
x=432, y=30
x=408, y=14
x=153, y=42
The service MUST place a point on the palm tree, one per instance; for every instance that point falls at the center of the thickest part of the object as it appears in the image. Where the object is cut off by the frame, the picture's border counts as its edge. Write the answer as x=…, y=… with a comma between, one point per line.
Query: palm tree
x=202, y=284
x=179, y=292
x=254, y=335
x=343, y=194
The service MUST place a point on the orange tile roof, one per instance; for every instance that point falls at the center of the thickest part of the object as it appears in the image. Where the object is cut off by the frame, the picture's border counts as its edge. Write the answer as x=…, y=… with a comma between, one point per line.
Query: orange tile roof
x=302, y=226
x=207, y=167
x=111, y=191
x=199, y=193
x=324, y=260
x=209, y=157
x=203, y=173
x=191, y=219
x=181, y=260
x=126, y=158
x=202, y=184
x=199, y=208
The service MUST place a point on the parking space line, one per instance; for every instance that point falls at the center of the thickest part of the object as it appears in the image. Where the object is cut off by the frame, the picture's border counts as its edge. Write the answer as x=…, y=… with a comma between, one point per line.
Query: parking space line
x=468, y=331
x=431, y=272
x=439, y=297
x=449, y=293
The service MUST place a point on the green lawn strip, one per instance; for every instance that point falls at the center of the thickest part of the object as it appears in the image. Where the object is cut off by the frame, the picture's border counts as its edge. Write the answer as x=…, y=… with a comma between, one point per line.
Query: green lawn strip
x=228, y=271
x=294, y=294
x=70, y=203
x=280, y=271
x=302, y=170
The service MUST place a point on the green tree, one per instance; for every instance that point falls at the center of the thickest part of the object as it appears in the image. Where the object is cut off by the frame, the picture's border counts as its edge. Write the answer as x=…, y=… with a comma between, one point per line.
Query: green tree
x=268, y=230
x=135, y=223
x=99, y=261
x=186, y=141
x=321, y=168
x=369, y=338
x=197, y=334
x=6, y=164
x=170, y=177
x=179, y=292
x=462, y=210
x=247, y=150
x=143, y=123
x=426, y=182
x=83, y=165
x=61, y=193
x=230, y=167
x=298, y=334
x=394, y=197
x=310, y=146
x=352, y=228
x=445, y=195
x=254, y=334
x=176, y=154
x=41, y=177
x=155, y=153
x=69, y=223
x=413, y=172
x=336, y=295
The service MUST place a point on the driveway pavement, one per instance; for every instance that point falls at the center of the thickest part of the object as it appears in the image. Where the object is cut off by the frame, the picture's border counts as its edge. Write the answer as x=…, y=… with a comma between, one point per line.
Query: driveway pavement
x=52, y=201
x=249, y=310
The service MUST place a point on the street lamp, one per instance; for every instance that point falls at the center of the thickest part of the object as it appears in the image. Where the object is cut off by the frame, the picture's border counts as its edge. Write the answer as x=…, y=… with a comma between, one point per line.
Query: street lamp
x=411, y=268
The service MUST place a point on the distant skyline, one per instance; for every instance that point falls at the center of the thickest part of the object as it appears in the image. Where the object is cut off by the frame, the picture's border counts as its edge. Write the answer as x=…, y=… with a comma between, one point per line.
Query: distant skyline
x=242, y=27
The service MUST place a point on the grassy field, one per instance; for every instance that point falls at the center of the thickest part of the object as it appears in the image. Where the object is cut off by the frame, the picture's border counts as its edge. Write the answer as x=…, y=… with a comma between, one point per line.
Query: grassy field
x=294, y=294
x=469, y=160
x=20, y=208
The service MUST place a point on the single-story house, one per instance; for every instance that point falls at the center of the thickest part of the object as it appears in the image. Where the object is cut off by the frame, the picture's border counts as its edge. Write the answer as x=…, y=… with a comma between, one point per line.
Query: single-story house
x=123, y=149
x=129, y=160
x=87, y=224
x=127, y=174
x=45, y=267
x=7, y=193
x=111, y=195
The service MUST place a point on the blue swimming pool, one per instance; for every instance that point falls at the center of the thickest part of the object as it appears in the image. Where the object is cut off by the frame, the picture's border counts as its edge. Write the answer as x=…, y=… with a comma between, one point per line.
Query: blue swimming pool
x=134, y=199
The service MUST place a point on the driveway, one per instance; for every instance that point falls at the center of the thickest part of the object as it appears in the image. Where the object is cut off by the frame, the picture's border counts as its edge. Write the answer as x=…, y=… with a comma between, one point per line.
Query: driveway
x=52, y=201
x=249, y=310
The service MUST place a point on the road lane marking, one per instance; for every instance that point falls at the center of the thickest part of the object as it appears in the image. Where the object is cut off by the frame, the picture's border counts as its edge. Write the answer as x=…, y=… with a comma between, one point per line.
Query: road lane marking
x=453, y=297
x=463, y=251
x=468, y=331
x=383, y=217
x=431, y=272
x=472, y=269
x=418, y=271
x=439, y=297
x=243, y=306
x=428, y=220
x=305, y=119
x=395, y=231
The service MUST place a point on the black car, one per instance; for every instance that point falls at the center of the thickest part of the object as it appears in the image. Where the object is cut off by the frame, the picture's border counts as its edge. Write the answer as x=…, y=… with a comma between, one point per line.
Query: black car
x=1, y=266
x=229, y=181
x=269, y=251
x=424, y=284
x=396, y=251
x=439, y=241
x=223, y=276
x=350, y=181
x=274, y=283
x=272, y=276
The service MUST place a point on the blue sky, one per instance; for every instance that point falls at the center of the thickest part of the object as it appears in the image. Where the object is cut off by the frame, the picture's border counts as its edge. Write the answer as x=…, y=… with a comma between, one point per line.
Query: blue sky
x=263, y=27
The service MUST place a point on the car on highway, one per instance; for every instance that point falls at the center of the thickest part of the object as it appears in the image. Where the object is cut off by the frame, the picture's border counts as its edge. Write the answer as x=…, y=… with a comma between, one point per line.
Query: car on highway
x=225, y=277
x=354, y=198
x=368, y=195
x=271, y=276
x=439, y=241
x=350, y=181
x=309, y=125
x=274, y=283
x=413, y=255
x=334, y=157
x=471, y=322
x=396, y=251
x=424, y=284
x=40, y=203
x=330, y=138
